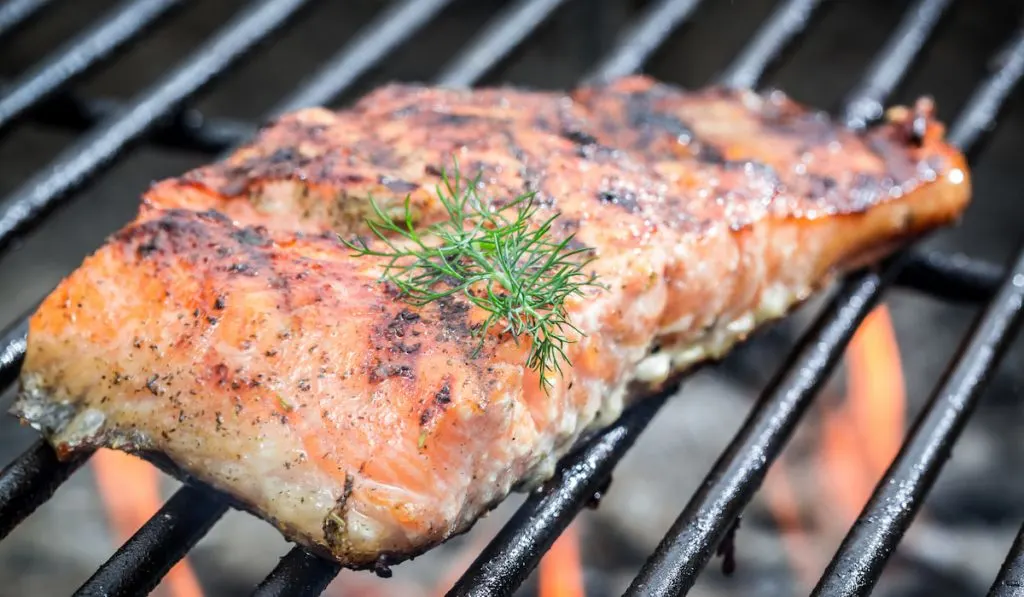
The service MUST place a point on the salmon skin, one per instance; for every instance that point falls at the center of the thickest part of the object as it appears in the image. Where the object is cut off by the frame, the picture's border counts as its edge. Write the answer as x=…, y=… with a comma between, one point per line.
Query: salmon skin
x=228, y=328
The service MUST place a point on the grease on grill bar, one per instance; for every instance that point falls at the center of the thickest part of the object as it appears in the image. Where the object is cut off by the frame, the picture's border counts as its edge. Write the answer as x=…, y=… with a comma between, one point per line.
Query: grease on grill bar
x=504, y=564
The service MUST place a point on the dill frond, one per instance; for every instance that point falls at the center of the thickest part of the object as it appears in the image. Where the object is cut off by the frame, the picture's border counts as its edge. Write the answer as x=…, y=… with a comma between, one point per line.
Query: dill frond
x=508, y=266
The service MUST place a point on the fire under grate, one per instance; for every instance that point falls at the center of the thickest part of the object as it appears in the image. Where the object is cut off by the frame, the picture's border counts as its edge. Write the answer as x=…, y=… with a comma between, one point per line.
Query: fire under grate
x=159, y=114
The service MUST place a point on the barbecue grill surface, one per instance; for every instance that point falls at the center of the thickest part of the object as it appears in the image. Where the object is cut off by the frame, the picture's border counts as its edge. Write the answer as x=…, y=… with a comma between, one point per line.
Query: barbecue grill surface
x=75, y=132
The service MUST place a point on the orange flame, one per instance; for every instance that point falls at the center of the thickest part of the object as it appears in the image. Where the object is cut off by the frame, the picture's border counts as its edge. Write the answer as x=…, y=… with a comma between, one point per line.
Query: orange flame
x=876, y=390
x=859, y=439
x=863, y=436
x=561, y=571
x=785, y=508
x=129, y=488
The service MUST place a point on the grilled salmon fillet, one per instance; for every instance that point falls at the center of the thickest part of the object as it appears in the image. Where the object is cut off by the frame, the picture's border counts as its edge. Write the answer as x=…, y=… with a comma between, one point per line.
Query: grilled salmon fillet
x=228, y=328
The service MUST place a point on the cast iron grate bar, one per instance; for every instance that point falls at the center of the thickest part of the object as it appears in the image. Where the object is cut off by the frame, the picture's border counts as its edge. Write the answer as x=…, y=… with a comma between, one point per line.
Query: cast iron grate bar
x=502, y=34
x=515, y=551
x=17, y=12
x=858, y=564
x=643, y=38
x=298, y=574
x=989, y=99
x=121, y=25
x=785, y=23
x=1010, y=580
x=13, y=342
x=391, y=29
x=188, y=129
x=138, y=565
x=581, y=477
x=954, y=278
x=27, y=206
x=688, y=545
x=865, y=103
x=30, y=480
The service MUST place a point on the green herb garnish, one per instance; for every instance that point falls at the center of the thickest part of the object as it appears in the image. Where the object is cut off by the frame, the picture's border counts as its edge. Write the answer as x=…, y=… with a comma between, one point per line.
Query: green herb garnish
x=509, y=267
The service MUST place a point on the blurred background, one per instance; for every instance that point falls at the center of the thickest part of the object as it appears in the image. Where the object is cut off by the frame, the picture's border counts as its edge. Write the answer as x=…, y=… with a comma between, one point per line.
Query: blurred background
x=795, y=523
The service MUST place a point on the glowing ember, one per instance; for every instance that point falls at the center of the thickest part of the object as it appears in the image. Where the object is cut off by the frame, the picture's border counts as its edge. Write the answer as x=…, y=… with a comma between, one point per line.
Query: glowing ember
x=129, y=488
x=561, y=570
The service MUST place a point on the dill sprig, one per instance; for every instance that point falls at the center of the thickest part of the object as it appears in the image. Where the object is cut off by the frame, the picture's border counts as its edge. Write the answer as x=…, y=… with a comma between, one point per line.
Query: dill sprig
x=508, y=267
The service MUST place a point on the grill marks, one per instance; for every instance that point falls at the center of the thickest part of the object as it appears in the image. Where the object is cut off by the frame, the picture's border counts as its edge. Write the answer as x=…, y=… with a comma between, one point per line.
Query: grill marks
x=438, y=404
x=395, y=346
x=677, y=149
x=291, y=354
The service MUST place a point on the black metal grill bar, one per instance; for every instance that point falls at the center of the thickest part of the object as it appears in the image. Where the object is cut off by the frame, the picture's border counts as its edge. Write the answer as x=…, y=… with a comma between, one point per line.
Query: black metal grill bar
x=503, y=34
x=518, y=547
x=1010, y=580
x=298, y=574
x=138, y=565
x=983, y=108
x=643, y=38
x=18, y=12
x=29, y=481
x=873, y=538
x=25, y=208
x=508, y=559
x=13, y=342
x=395, y=26
x=955, y=278
x=122, y=24
x=188, y=129
x=865, y=103
x=688, y=545
x=786, y=22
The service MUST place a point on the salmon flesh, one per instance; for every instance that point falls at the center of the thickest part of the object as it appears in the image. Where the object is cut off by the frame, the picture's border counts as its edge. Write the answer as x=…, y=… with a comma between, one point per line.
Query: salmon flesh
x=229, y=329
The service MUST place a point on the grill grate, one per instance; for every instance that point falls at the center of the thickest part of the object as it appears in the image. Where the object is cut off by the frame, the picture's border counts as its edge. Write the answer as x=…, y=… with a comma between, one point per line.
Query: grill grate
x=18, y=12
x=159, y=113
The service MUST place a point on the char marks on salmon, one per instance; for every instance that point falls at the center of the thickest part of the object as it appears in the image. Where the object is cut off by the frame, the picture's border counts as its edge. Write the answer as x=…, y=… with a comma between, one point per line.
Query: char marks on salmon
x=230, y=329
